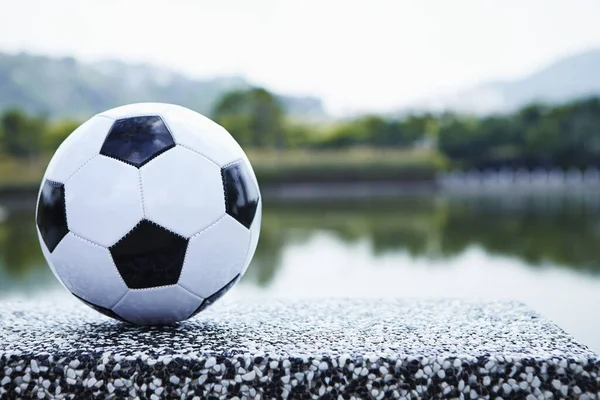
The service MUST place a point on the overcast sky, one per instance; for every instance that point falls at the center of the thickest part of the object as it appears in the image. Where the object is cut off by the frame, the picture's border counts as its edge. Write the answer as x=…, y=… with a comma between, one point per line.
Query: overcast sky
x=356, y=55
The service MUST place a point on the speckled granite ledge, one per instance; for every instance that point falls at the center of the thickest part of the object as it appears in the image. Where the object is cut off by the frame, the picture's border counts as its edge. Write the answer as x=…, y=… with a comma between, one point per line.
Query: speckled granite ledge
x=321, y=349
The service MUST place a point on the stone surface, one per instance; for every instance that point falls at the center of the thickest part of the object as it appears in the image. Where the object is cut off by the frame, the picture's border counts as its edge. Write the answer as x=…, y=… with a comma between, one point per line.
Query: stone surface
x=313, y=349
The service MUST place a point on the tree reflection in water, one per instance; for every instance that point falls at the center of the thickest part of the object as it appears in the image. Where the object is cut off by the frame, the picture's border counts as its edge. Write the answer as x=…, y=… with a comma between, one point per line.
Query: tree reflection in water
x=564, y=231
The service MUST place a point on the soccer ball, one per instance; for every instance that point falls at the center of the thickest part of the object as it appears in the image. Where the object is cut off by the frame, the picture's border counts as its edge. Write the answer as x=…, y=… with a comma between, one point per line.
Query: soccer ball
x=149, y=213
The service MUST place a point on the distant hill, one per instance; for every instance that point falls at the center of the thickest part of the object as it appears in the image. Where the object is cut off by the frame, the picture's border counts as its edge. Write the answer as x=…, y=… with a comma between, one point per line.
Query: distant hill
x=62, y=87
x=570, y=78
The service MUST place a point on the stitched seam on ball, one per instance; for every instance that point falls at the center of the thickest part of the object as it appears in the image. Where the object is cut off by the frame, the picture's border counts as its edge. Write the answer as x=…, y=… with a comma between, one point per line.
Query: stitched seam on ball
x=78, y=236
x=208, y=227
x=167, y=229
x=128, y=233
x=184, y=146
x=152, y=222
x=141, y=193
x=152, y=288
x=107, y=133
x=78, y=169
x=158, y=153
x=109, y=253
x=54, y=183
x=119, y=160
x=105, y=116
x=247, y=252
x=185, y=256
x=153, y=156
x=64, y=201
x=119, y=302
x=200, y=154
x=224, y=184
x=190, y=292
x=233, y=162
x=133, y=116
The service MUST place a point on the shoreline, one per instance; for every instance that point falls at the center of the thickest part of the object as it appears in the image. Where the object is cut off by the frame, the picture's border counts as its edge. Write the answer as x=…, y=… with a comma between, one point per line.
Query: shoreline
x=23, y=196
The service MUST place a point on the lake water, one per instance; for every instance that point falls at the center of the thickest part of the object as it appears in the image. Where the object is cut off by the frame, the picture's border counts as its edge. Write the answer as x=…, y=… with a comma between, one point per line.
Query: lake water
x=543, y=251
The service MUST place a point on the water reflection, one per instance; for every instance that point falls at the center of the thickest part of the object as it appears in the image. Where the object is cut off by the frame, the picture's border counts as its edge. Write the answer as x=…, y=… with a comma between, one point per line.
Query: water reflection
x=540, y=250
x=22, y=265
x=563, y=231
x=18, y=244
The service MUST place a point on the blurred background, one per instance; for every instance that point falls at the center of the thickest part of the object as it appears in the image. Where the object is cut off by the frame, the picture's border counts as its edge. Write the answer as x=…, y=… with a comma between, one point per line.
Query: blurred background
x=403, y=148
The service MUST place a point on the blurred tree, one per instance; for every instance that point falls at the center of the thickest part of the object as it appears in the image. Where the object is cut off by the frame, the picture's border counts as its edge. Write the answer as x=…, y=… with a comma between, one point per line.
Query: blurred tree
x=372, y=131
x=375, y=131
x=459, y=138
x=21, y=134
x=345, y=134
x=254, y=117
x=579, y=125
x=535, y=136
x=415, y=127
x=299, y=135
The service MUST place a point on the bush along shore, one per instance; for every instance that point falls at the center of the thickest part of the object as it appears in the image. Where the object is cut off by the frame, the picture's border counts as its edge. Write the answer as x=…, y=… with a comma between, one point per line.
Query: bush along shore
x=348, y=173
x=284, y=168
x=368, y=148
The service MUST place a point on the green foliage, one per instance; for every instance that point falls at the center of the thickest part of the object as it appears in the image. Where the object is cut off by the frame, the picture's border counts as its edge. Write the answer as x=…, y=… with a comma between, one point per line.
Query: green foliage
x=24, y=136
x=564, y=136
x=298, y=135
x=416, y=127
x=350, y=165
x=374, y=131
x=256, y=119
x=374, y=147
x=21, y=134
x=253, y=116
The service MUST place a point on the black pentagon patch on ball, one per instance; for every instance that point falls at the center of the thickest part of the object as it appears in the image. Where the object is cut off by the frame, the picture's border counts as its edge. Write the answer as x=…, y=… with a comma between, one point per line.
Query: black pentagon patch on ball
x=241, y=193
x=149, y=256
x=216, y=296
x=137, y=140
x=51, y=214
x=103, y=310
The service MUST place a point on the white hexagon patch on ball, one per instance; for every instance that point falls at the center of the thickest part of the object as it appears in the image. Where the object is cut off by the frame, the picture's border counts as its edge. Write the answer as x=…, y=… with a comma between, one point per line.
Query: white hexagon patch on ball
x=149, y=213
